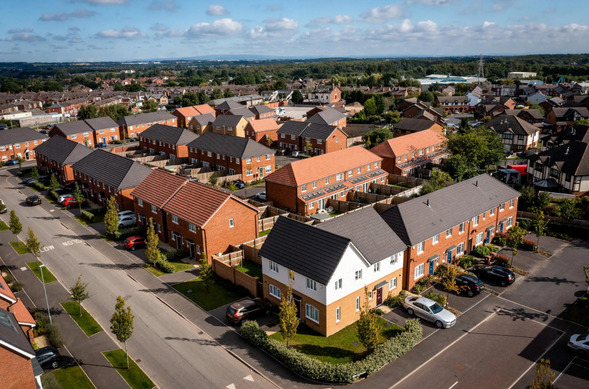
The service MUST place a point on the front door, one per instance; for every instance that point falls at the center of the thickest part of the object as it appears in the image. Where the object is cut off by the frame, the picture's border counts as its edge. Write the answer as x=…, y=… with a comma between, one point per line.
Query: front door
x=191, y=248
x=431, y=267
x=488, y=238
x=321, y=204
x=297, y=300
x=449, y=258
x=260, y=172
x=501, y=227
x=378, y=296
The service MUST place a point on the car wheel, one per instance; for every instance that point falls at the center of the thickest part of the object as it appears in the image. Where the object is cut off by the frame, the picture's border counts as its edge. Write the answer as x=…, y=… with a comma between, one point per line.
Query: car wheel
x=470, y=293
x=54, y=364
x=503, y=283
x=410, y=311
x=439, y=324
x=132, y=248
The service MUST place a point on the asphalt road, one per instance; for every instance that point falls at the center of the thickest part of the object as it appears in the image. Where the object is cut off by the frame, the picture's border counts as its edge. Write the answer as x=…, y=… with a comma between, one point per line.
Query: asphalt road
x=174, y=352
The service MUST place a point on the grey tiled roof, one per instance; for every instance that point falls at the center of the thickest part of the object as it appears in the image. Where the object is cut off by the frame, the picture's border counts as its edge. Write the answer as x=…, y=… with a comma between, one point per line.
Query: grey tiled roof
x=571, y=158
x=318, y=131
x=62, y=151
x=169, y=134
x=150, y=117
x=409, y=124
x=19, y=135
x=229, y=145
x=327, y=116
x=242, y=111
x=292, y=127
x=227, y=120
x=204, y=119
x=112, y=169
x=260, y=109
x=505, y=123
x=415, y=221
x=71, y=128
x=102, y=123
x=12, y=334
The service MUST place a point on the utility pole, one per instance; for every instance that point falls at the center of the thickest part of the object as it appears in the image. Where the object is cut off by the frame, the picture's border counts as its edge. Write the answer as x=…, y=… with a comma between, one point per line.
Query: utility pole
x=481, y=72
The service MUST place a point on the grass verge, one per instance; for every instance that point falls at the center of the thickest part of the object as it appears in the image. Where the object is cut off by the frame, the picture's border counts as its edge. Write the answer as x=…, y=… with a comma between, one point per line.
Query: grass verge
x=264, y=233
x=19, y=247
x=178, y=266
x=216, y=297
x=86, y=322
x=251, y=269
x=134, y=376
x=67, y=377
x=341, y=347
x=3, y=226
x=47, y=275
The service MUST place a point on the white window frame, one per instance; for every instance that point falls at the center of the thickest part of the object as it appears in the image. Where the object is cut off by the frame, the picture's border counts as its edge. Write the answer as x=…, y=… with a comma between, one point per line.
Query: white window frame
x=420, y=247
x=338, y=314
x=273, y=266
x=274, y=291
x=312, y=313
x=448, y=232
x=394, y=259
x=357, y=303
x=191, y=227
x=140, y=202
x=436, y=239
x=393, y=283
x=461, y=228
x=311, y=284
x=174, y=219
x=419, y=271
x=475, y=220
x=358, y=274
x=231, y=223
x=376, y=267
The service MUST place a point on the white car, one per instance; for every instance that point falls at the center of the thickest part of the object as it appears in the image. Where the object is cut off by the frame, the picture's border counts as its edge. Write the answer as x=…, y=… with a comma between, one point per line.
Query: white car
x=429, y=310
x=127, y=221
x=261, y=196
x=61, y=198
x=295, y=154
x=580, y=344
x=122, y=214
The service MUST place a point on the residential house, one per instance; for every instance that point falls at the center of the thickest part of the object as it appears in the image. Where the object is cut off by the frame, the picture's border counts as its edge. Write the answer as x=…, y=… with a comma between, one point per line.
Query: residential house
x=332, y=266
x=305, y=187
x=424, y=111
x=168, y=141
x=408, y=126
x=325, y=95
x=453, y=104
x=77, y=131
x=406, y=155
x=263, y=131
x=227, y=105
x=20, y=143
x=233, y=155
x=532, y=115
x=561, y=117
x=105, y=130
x=131, y=126
x=57, y=155
x=101, y=174
x=262, y=112
x=160, y=98
x=451, y=222
x=578, y=132
x=14, y=305
x=244, y=112
x=517, y=135
x=313, y=138
x=229, y=124
x=328, y=116
x=185, y=114
x=200, y=124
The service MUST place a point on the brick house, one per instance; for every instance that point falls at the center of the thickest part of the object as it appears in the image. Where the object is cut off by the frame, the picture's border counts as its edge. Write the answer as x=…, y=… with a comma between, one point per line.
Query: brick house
x=200, y=124
x=304, y=187
x=408, y=126
x=14, y=305
x=325, y=95
x=229, y=124
x=185, y=114
x=517, y=134
x=328, y=116
x=232, y=154
x=305, y=136
x=105, y=129
x=101, y=174
x=243, y=111
x=226, y=106
x=167, y=140
x=452, y=221
x=263, y=131
x=405, y=154
x=561, y=117
x=77, y=131
x=57, y=155
x=330, y=264
x=262, y=112
x=452, y=104
x=533, y=116
x=20, y=143
x=424, y=111
x=132, y=125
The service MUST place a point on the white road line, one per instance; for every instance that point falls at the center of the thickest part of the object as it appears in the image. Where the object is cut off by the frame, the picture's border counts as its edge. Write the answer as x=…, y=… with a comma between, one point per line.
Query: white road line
x=564, y=370
x=536, y=310
x=483, y=299
x=453, y=385
x=444, y=349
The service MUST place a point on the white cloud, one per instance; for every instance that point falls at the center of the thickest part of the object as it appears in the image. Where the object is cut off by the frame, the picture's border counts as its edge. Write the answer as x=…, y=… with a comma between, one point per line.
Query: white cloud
x=217, y=10
x=62, y=16
x=163, y=5
x=123, y=33
x=275, y=28
x=431, y=3
x=19, y=30
x=337, y=19
x=24, y=35
x=382, y=14
x=220, y=27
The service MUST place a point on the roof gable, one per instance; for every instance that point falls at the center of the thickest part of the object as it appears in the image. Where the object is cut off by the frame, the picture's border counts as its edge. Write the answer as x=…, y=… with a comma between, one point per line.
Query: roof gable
x=229, y=145
x=159, y=187
x=20, y=135
x=62, y=151
x=408, y=143
x=168, y=134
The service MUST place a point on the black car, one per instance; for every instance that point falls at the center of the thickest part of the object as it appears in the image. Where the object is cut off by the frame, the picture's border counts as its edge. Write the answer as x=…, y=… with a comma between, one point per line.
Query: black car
x=497, y=274
x=33, y=200
x=239, y=184
x=469, y=284
x=247, y=309
x=29, y=181
x=48, y=357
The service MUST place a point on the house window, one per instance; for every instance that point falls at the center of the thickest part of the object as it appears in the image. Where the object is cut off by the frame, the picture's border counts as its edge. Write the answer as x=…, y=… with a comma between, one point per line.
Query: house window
x=475, y=220
x=273, y=266
x=314, y=184
x=74, y=136
x=394, y=259
x=231, y=223
x=377, y=266
x=248, y=160
x=435, y=239
x=249, y=172
x=339, y=177
x=304, y=188
x=358, y=275
x=140, y=202
x=460, y=248
x=511, y=202
x=153, y=209
x=312, y=313
x=359, y=170
x=369, y=295
x=338, y=284
x=418, y=272
x=209, y=154
x=420, y=247
x=311, y=205
x=492, y=212
x=338, y=314
x=479, y=238
x=267, y=155
x=502, y=207
x=327, y=181
x=357, y=303
x=484, y=216
x=311, y=284
x=510, y=222
x=350, y=173
x=269, y=169
x=274, y=291
x=393, y=283
x=368, y=167
x=448, y=232
x=191, y=227
x=174, y=219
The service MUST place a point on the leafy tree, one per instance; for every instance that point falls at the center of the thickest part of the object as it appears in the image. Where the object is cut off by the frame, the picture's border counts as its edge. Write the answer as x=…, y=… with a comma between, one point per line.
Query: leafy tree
x=437, y=181
x=448, y=276
x=376, y=136
x=289, y=321
x=152, y=251
x=228, y=93
x=279, y=84
x=232, y=186
x=213, y=179
x=459, y=168
x=53, y=183
x=111, y=218
x=474, y=149
x=370, y=107
x=78, y=292
x=2, y=207
x=544, y=376
x=206, y=272
x=121, y=323
x=426, y=96
x=568, y=209
x=216, y=94
x=367, y=326
x=379, y=103
x=115, y=111
x=14, y=224
x=89, y=111
x=297, y=97
x=79, y=196
x=35, y=174
x=582, y=122
x=527, y=197
x=515, y=238
x=150, y=105
x=32, y=243
x=308, y=148
x=20, y=161
x=392, y=117
x=540, y=226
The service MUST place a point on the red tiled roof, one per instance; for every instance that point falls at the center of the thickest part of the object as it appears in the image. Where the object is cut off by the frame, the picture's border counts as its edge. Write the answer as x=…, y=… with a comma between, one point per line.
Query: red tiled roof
x=204, y=108
x=5, y=292
x=159, y=187
x=262, y=125
x=325, y=165
x=187, y=111
x=22, y=314
x=408, y=143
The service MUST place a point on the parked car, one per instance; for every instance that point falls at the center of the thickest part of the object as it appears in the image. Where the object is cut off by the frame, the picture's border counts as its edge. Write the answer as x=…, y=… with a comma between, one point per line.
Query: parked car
x=247, y=309
x=429, y=310
x=239, y=184
x=33, y=200
x=71, y=201
x=580, y=344
x=261, y=196
x=45, y=132
x=101, y=144
x=28, y=181
x=127, y=221
x=61, y=198
x=134, y=242
x=11, y=162
x=126, y=213
x=469, y=284
x=48, y=357
x=295, y=154
x=497, y=274
x=3, y=208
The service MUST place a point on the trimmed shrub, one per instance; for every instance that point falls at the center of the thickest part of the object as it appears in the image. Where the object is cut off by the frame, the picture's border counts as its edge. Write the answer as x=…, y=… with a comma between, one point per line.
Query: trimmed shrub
x=124, y=233
x=526, y=224
x=423, y=283
x=16, y=286
x=98, y=211
x=9, y=278
x=481, y=251
x=395, y=301
x=53, y=195
x=176, y=255
x=39, y=186
x=330, y=372
x=502, y=260
x=164, y=265
x=437, y=297
x=44, y=327
x=89, y=216
x=379, y=311
x=528, y=245
x=493, y=248
x=467, y=261
x=500, y=239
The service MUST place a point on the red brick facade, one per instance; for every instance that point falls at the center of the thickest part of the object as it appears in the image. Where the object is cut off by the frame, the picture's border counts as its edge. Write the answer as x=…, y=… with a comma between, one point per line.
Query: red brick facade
x=24, y=150
x=17, y=370
x=250, y=168
x=85, y=138
x=99, y=193
x=134, y=130
x=179, y=151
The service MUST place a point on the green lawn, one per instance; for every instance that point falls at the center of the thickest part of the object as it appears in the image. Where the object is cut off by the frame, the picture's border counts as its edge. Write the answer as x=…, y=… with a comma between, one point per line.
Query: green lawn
x=341, y=347
x=86, y=322
x=264, y=233
x=216, y=297
x=178, y=266
x=3, y=226
x=251, y=269
x=19, y=247
x=134, y=376
x=66, y=378
x=48, y=276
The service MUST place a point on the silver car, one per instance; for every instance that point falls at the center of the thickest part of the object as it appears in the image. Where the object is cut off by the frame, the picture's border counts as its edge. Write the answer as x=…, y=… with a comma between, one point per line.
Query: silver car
x=580, y=344
x=429, y=310
x=127, y=221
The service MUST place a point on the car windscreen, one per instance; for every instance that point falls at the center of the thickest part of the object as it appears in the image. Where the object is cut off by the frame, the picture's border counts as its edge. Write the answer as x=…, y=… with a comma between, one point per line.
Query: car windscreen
x=436, y=308
x=231, y=310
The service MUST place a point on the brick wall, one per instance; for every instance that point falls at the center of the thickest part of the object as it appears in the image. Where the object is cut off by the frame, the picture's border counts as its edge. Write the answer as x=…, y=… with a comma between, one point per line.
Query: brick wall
x=282, y=196
x=16, y=370
x=158, y=218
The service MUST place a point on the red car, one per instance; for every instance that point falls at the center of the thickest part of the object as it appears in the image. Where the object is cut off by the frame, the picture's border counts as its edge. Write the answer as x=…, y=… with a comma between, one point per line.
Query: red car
x=71, y=201
x=132, y=242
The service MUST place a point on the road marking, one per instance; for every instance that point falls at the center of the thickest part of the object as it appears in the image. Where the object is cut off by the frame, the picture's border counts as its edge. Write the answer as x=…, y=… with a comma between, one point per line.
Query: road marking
x=564, y=370
x=230, y=386
x=453, y=385
x=249, y=378
x=47, y=248
x=24, y=268
x=72, y=242
x=444, y=349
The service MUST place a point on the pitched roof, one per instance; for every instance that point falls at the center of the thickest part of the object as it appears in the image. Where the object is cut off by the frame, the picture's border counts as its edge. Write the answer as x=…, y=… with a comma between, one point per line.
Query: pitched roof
x=452, y=99
x=5, y=292
x=112, y=169
x=369, y=233
x=229, y=145
x=292, y=127
x=242, y=111
x=19, y=135
x=227, y=105
x=327, y=116
x=75, y=127
x=571, y=158
x=12, y=336
x=260, y=109
x=22, y=314
x=149, y=117
x=204, y=109
x=204, y=119
x=446, y=208
x=513, y=124
x=408, y=143
x=318, y=131
x=159, y=187
x=186, y=111
x=62, y=151
x=307, y=250
x=102, y=123
x=262, y=125
x=169, y=134
x=533, y=112
x=410, y=124
x=227, y=120
x=321, y=166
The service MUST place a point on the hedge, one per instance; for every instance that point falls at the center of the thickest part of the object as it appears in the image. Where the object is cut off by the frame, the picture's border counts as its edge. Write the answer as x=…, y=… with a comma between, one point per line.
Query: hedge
x=176, y=255
x=52, y=194
x=124, y=233
x=89, y=216
x=321, y=371
x=396, y=300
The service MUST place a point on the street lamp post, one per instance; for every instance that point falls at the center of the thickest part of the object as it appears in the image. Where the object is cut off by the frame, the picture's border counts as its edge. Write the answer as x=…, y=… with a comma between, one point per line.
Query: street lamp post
x=41, y=266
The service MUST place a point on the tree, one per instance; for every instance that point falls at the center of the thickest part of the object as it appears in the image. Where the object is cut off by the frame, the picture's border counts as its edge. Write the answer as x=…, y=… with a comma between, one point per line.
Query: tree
x=370, y=107
x=32, y=243
x=289, y=321
x=206, y=272
x=78, y=292
x=448, y=276
x=111, y=218
x=376, y=136
x=121, y=323
x=213, y=179
x=437, y=181
x=53, y=183
x=2, y=207
x=89, y=111
x=544, y=376
x=79, y=196
x=367, y=326
x=14, y=224
x=20, y=161
x=515, y=238
x=150, y=105
x=152, y=251
x=426, y=96
x=216, y=94
x=540, y=226
x=35, y=174
x=459, y=168
x=297, y=97
x=476, y=148
x=568, y=209
x=308, y=148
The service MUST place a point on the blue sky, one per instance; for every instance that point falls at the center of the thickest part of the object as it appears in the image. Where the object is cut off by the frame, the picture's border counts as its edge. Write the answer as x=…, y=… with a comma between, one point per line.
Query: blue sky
x=119, y=30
